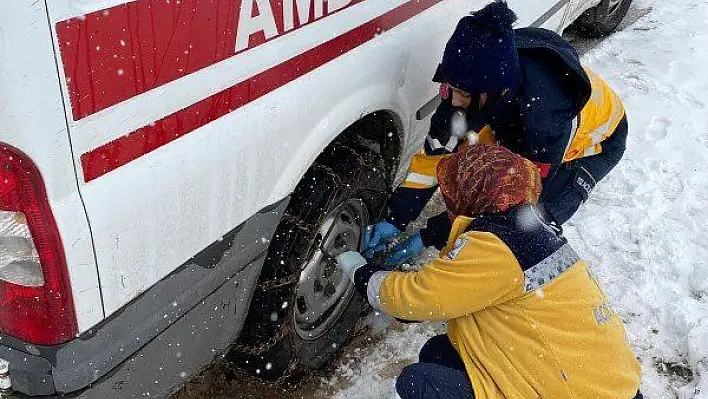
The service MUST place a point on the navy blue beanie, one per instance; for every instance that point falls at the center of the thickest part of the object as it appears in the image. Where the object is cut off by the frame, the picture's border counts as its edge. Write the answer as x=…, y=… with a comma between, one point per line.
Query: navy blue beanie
x=481, y=55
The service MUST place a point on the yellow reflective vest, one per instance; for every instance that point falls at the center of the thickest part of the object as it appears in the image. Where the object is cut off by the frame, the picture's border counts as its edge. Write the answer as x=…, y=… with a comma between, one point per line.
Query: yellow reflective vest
x=595, y=123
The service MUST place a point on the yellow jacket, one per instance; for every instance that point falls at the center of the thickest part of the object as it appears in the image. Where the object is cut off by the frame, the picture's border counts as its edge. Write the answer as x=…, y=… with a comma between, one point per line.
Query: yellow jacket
x=525, y=314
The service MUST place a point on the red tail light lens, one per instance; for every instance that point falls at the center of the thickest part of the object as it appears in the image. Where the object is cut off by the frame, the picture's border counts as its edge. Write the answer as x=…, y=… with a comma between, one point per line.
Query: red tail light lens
x=35, y=295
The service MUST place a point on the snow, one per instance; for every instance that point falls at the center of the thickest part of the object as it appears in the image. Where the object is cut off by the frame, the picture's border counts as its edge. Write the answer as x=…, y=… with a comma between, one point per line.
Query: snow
x=643, y=229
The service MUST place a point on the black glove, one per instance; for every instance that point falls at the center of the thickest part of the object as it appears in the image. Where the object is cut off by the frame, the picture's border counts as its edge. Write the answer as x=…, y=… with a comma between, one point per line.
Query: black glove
x=436, y=231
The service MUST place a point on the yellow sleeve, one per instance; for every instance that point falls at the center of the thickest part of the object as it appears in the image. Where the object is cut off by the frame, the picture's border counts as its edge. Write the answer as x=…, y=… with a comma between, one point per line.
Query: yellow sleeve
x=422, y=172
x=480, y=271
x=598, y=120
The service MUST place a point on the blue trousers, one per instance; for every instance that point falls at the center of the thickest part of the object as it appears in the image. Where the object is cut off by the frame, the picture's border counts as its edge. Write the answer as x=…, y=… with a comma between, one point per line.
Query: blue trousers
x=439, y=374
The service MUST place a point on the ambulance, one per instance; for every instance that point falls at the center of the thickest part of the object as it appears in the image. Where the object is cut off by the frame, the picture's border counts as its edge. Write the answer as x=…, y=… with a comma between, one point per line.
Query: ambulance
x=177, y=175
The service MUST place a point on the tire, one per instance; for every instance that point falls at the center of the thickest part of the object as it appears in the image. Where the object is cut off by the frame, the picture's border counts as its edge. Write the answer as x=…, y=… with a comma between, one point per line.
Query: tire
x=603, y=19
x=287, y=333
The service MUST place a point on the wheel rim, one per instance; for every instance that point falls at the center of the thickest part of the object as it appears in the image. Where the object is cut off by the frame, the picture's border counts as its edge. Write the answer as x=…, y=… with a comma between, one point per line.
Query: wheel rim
x=323, y=291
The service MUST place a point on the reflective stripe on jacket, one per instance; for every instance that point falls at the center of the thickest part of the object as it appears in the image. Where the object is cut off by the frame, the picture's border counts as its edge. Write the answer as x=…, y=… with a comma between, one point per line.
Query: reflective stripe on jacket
x=597, y=121
x=423, y=170
x=524, y=312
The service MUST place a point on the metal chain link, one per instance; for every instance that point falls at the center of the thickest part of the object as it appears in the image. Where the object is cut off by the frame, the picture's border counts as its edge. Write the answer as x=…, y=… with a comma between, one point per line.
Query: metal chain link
x=310, y=230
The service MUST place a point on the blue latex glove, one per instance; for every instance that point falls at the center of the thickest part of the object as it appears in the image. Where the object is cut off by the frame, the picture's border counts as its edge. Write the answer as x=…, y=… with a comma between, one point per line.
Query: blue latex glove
x=348, y=262
x=405, y=251
x=377, y=236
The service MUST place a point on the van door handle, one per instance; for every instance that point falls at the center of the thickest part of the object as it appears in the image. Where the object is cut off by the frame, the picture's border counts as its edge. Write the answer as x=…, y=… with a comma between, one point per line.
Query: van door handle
x=428, y=108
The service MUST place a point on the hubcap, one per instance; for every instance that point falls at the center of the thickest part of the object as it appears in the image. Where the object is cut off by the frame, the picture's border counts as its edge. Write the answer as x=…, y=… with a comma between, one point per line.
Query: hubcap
x=323, y=291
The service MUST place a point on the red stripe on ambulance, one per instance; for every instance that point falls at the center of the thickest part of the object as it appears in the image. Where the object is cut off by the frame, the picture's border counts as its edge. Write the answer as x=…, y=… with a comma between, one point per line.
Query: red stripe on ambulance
x=125, y=149
x=115, y=54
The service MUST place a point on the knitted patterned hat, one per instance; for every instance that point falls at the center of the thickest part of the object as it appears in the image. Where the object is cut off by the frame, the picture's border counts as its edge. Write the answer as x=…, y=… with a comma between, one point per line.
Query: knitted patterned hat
x=482, y=179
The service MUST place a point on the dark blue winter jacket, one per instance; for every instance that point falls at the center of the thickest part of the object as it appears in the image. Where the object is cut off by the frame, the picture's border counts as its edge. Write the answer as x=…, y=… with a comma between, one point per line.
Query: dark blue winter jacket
x=551, y=118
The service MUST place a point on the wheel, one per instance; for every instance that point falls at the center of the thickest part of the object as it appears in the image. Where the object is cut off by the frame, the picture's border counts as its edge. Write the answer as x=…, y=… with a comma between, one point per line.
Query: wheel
x=304, y=309
x=604, y=18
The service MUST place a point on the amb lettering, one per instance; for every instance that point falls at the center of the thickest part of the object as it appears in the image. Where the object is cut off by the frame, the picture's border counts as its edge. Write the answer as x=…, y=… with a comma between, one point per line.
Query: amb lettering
x=262, y=20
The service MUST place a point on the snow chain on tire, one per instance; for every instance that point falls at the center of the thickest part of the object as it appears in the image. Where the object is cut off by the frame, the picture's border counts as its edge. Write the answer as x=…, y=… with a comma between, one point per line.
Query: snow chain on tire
x=266, y=345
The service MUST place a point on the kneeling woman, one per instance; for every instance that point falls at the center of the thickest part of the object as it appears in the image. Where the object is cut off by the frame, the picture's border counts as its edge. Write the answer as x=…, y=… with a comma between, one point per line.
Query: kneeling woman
x=525, y=316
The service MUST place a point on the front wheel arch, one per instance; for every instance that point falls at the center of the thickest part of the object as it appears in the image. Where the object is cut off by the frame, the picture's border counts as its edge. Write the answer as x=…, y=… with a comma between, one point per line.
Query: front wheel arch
x=359, y=164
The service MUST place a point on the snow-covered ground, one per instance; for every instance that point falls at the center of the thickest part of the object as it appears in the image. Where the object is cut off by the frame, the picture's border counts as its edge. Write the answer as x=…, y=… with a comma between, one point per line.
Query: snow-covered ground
x=643, y=230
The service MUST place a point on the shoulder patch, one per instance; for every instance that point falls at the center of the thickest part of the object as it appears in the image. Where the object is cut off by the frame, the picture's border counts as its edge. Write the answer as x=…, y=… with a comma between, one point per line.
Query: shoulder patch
x=457, y=248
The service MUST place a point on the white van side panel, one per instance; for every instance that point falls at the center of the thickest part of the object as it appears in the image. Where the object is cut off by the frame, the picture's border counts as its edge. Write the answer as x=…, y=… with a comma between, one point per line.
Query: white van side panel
x=32, y=120
x=152, y=213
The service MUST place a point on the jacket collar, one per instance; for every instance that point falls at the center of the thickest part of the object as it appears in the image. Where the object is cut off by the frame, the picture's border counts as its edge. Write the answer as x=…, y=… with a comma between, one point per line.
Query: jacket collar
x=460, y=225
x=463, y=224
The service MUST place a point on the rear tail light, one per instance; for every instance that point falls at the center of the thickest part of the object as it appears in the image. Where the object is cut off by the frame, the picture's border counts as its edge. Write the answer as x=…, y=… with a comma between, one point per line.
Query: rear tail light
x=19, y=260
x=35, y=295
